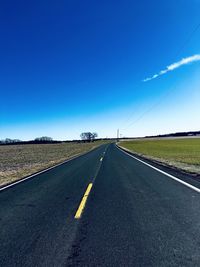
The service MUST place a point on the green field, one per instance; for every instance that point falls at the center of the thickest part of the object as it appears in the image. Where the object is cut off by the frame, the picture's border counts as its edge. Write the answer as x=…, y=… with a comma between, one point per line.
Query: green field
x=182, y=153
x=17, y=161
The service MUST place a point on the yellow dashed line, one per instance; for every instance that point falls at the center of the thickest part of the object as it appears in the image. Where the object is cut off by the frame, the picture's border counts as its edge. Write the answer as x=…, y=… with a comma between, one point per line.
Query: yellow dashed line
x=83, y=202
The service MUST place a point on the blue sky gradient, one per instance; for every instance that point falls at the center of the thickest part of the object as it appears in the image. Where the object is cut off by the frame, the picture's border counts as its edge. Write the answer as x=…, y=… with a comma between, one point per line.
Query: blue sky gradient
x=73, y=66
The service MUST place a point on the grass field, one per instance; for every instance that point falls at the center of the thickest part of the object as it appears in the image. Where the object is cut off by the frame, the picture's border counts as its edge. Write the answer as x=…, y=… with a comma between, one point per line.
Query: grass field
x=181, y=153
x=17, y=161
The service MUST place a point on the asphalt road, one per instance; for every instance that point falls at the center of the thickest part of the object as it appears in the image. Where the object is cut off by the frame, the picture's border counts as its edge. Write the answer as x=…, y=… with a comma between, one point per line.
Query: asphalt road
x=134, y=216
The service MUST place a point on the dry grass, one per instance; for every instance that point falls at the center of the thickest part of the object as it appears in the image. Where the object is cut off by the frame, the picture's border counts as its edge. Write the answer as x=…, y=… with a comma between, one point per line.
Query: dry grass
x=18, y=161
x=182, y=153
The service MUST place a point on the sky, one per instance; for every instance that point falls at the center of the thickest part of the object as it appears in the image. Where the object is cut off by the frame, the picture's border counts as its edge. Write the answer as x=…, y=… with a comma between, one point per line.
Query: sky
x=72, y=66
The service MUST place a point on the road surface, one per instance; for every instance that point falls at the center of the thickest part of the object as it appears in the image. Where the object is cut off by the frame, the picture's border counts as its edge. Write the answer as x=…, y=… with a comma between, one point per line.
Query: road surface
x=128, y=214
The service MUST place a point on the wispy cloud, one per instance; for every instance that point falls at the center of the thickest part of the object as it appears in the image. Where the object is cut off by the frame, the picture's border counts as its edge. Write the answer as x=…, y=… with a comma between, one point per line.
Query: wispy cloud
x=174, y=66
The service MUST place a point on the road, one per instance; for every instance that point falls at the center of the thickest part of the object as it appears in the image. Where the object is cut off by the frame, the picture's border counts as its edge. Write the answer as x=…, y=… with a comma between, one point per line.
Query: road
x=133, y=216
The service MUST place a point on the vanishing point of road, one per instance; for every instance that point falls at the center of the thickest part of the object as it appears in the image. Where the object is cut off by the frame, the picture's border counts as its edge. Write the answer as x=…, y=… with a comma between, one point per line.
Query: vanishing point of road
x=104, y=208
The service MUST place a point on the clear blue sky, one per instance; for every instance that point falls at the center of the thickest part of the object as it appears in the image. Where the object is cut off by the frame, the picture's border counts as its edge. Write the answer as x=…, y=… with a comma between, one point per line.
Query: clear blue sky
x=73, y=66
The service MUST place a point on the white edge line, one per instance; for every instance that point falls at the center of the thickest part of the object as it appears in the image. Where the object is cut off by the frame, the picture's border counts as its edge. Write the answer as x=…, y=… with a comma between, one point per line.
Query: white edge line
x=40, y=172
x=165, y=173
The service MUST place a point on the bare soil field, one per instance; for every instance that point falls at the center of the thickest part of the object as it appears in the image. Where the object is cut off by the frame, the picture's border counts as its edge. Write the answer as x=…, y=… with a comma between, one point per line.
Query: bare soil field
x=18, y=161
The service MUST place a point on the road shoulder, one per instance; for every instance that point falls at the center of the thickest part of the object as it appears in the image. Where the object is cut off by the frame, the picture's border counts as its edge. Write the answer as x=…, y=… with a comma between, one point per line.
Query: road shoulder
x=191, y=178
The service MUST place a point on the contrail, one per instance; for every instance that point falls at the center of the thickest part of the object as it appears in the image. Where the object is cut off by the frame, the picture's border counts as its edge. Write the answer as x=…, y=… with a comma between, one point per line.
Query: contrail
x=174, y=66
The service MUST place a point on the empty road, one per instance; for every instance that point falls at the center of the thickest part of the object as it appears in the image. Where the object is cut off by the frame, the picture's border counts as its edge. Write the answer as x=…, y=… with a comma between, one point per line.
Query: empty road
x=104, y=208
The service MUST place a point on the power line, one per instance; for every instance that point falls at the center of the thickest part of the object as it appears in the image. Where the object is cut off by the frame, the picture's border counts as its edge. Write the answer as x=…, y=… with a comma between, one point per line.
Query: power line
x=149, y=109
x=132, y=112
x=196, y=28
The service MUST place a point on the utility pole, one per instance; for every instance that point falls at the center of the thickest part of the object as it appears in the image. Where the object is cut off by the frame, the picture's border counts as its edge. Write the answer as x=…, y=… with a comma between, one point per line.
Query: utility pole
x=117, y=135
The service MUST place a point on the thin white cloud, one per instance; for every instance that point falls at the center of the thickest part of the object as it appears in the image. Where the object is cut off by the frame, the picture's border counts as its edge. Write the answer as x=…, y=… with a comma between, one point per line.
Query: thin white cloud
x=174, y=66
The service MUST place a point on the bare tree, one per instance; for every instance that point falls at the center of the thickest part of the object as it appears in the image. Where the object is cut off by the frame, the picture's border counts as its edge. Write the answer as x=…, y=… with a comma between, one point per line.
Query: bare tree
x=88, y=136
x=43, y=139
x=10, y=141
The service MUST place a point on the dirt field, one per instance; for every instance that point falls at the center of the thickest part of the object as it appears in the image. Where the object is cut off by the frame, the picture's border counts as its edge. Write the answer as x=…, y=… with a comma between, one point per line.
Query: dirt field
x=17, y=161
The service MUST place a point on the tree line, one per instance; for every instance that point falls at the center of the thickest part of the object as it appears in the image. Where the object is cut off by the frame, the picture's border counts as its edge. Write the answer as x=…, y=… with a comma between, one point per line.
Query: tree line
x=85, y=137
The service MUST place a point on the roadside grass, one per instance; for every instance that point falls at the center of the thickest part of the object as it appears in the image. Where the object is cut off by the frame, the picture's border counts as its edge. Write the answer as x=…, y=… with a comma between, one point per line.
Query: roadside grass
x=181, y=153
x=18, y=161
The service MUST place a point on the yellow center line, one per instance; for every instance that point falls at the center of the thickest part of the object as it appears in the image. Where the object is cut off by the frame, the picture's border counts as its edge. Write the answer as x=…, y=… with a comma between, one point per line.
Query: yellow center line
x=83, y=202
